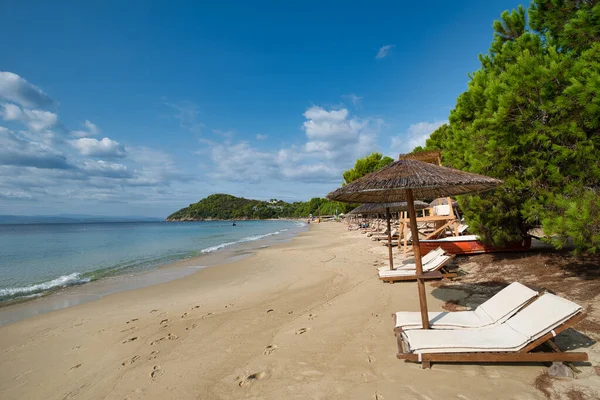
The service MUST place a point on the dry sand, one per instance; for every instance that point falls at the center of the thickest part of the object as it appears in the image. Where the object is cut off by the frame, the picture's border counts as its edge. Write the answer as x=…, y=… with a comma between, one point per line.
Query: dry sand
x=307, y=319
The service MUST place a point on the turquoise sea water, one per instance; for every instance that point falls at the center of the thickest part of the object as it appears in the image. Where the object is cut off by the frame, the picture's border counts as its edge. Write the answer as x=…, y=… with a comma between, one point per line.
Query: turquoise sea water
x=39, y=258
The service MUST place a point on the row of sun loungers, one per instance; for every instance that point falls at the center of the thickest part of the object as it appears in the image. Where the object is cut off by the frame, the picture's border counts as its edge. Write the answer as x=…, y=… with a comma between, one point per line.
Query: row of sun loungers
x=512, y=326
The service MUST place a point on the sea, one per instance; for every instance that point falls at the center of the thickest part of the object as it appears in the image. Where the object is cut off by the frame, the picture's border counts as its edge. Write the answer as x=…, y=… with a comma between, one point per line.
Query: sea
x=41, y=261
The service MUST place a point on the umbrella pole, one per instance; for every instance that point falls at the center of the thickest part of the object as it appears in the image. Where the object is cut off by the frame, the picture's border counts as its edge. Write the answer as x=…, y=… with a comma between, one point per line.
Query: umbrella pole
x=389, y=229
x=417, y=251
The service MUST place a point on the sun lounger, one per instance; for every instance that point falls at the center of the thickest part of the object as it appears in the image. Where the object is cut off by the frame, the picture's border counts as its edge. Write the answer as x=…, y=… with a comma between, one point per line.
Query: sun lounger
x=433, y=269
x=409, y=263
x=462, y=228
x=495, y=310
x=384, y=235
x=512, y=341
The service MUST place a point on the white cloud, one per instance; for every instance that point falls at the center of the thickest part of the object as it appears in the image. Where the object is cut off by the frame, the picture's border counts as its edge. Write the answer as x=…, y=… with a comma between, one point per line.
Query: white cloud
x=260, y=136
x=64, y=168
x=334, y=139
x=99, y=148
x=187, y=114
x=106, y=169
x=226, y=134
x=18, y=150
x=36, y=120
x=353, y=98
x=335, y=135
x=416, y=135
x=154, y=167
x=90, y=129
x=384, y=51
x=18, y=195
x=17, y=90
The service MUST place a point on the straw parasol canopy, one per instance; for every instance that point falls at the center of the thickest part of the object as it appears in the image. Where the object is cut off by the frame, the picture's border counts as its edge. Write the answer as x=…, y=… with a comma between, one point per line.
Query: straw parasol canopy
x=431, y=156
x=427, y=181
x=404, y=180
x=382, y=208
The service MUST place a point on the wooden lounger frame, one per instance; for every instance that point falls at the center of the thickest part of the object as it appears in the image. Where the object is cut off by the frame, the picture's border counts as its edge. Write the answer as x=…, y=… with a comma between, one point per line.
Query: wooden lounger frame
x=526, y=354
x=440, y=272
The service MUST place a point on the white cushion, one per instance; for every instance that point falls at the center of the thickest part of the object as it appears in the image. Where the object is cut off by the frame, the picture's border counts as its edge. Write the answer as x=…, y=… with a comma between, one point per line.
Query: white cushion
x=500, y=307
x=534, y=321
x=491, y=338
x=507, y=301
x=543, y=315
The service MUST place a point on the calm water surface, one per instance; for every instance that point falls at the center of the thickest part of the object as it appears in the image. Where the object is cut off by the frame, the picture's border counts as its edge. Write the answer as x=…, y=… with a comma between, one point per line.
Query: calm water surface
x=37, y=259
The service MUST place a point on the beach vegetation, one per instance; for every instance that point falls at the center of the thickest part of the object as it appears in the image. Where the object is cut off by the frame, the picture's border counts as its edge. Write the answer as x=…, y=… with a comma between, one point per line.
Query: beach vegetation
x=365, y=165
x=228, y=207
x=531, y=117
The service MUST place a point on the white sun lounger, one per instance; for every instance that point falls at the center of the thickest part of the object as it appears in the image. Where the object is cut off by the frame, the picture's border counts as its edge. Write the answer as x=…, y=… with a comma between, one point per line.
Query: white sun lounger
x=511, y=341
x=432, y=269
x=409, y=263
x=495, y=310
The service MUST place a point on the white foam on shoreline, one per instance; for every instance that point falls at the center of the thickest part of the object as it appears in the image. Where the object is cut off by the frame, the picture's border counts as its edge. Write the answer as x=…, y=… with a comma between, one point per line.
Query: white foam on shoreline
x=61, y=281
x=243, y=240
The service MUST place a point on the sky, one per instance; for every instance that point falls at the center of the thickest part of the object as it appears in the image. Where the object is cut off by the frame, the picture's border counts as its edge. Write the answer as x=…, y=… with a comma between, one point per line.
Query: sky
x=141, y=108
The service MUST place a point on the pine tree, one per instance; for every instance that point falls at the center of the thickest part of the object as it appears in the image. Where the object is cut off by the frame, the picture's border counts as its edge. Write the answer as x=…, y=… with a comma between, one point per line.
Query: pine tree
x=366, y=165
x=531, y=116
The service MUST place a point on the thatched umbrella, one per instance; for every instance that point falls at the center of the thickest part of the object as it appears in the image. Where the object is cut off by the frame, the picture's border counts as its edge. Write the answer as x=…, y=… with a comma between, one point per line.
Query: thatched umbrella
x=404, y=180
x=387, y=208
x=382, y=208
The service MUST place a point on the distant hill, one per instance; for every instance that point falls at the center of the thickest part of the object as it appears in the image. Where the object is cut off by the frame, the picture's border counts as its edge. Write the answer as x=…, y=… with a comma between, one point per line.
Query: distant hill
x=227, y=207
x=69, y=219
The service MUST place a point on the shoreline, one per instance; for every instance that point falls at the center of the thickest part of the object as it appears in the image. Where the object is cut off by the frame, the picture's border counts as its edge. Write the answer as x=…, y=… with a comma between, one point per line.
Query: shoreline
x=303, y=319
x=72, y=295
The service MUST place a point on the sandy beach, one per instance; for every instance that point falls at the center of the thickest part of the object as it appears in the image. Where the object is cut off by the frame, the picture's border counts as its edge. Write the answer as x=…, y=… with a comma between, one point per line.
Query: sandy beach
x=305, y=319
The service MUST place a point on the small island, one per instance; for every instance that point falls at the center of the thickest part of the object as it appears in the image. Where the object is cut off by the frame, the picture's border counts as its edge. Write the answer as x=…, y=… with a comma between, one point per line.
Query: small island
x=227, y=207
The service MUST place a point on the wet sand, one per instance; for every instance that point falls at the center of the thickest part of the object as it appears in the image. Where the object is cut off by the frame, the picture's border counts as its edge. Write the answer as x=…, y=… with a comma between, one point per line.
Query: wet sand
x=305, y=319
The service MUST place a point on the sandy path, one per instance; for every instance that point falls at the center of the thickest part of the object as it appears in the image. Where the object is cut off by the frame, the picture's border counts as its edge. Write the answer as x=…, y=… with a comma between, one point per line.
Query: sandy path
x=307, y=319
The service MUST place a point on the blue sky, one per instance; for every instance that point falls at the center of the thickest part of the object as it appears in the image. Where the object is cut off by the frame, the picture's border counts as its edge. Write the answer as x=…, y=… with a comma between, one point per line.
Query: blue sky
x=141, y=108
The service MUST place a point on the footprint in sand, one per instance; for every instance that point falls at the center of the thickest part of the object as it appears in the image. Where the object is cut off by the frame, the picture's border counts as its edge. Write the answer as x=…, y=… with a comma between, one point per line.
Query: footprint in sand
x=75, y=366
x=193, y=308
x=131, y=339
x=269, y=349
x=312, y=316
x=378, y=396
x=270, y=310
x=130, y=361
x=206, y=315
x=156, y=372
x=153, y=311
x=153, y=355
x=246, y=381
x=164, y=321
x=132, y=320
x=302, y=331
x=157, y=341
x=128, y=329
x=192, y=326
x=172, y=336
x=184, y=315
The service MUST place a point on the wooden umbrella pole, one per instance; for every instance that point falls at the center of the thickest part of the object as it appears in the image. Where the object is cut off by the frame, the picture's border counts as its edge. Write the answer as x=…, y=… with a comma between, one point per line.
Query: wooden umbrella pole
x=389, y=229
x=417, y=252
